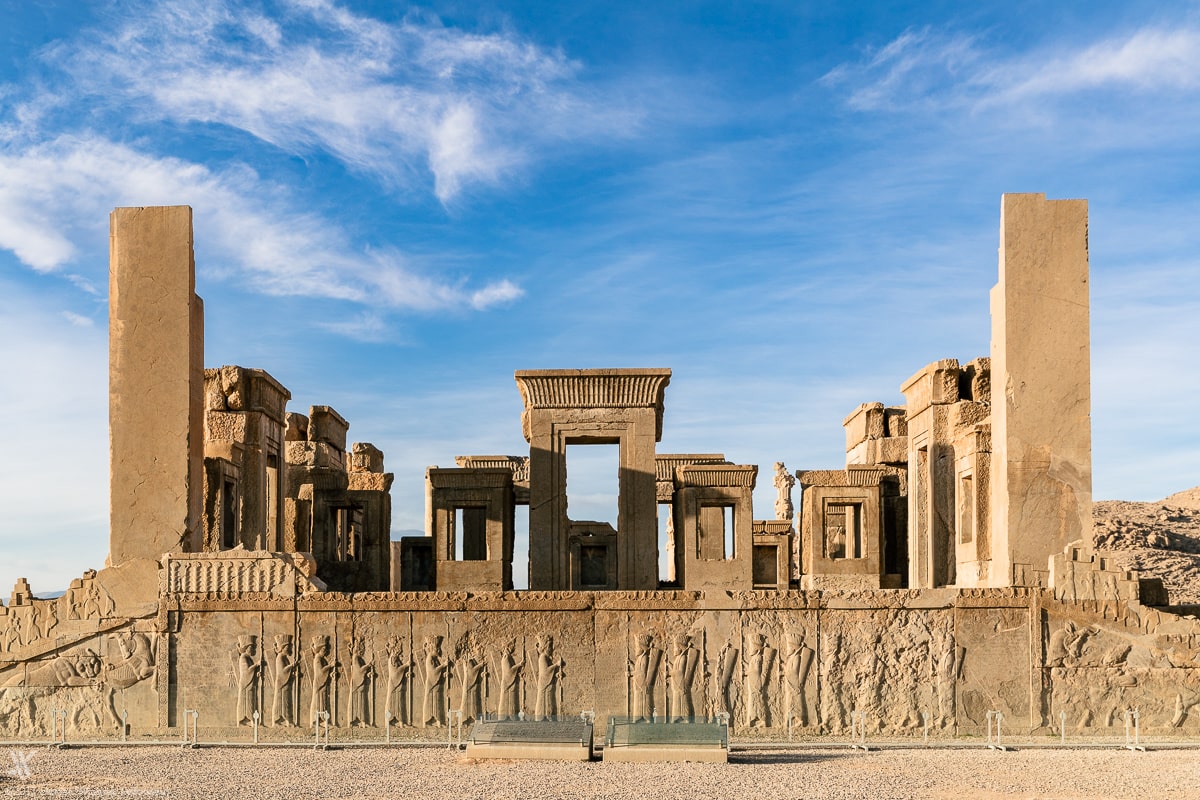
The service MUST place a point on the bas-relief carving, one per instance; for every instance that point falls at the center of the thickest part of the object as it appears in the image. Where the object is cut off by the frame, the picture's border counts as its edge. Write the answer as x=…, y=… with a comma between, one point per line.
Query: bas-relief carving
x=245, y=674
x=796, y=661
x=433, y=667
x=399, y=670
x=892, y=665
x=470, y=670
x=362, y=679
x=549, y=676
x=643, y=674
x=681, y=677
x=758, y=661
x=282, y=672
x=80, y=681
x=323, y=669
x=1095, y=673
x=507, y=670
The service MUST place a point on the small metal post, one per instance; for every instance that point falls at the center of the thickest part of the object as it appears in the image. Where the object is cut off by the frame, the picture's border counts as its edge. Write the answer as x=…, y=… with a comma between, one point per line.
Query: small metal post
x=1136, y=745
x=254, y=716
x=1062, y=727
x=124, y=724
x=790, y=716
x=194, y=716
x=55, y=715
x=387, y=727
x=925, y=721
x=858, y=731
x=453, y=716
x=995, y=744
x=588, y=716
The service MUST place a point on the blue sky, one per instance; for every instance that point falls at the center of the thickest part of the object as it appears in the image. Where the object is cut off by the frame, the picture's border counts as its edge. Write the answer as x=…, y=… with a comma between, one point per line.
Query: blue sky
x=794, y=206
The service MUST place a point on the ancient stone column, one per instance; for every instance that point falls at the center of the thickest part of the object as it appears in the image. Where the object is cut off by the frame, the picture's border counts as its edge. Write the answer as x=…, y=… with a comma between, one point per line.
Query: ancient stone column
x=156, y=384
x=1041, y=387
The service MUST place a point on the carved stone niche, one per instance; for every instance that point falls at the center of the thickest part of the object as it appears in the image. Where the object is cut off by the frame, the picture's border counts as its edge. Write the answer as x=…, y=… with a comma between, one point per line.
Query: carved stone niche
x=471, y=519
x=841, y=529
x=714, y=526
x=593, y=556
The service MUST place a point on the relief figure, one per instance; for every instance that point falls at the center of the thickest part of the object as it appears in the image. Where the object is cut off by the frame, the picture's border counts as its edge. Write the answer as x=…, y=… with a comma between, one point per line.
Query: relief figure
x=361, y=673
x=681, y=676
x=433, y=674
x=397, y=681
x=643, y=671
x=549, y=671
x=508, y=671
x=245, y=675
x=283, y=711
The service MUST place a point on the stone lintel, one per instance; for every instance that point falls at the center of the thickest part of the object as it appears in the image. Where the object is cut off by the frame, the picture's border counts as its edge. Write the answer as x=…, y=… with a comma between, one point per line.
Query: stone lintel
x=463, y=478
x=593, y=388
x=716, y=476
x=665, y=465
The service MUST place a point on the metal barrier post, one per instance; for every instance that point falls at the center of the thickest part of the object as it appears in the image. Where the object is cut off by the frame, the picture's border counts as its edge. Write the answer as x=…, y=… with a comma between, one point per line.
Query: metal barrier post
x=1135, y=715
x=925, y=722
x=124, y=725
x=55, y=715
x=995, y=744
x=194, y=716
x=387, y=727
x=254, y=716
x=858, y=731
x=1062, y=727
x=451, y=716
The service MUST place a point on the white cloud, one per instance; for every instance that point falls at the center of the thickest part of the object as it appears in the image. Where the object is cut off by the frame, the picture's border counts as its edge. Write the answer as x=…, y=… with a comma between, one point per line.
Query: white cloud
x=78, y=320
x=57, y=195
x=398, y=101
x=928, y=68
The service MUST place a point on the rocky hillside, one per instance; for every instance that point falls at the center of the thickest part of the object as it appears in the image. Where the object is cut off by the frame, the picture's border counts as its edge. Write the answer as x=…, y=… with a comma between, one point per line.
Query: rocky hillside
x=1162, y=539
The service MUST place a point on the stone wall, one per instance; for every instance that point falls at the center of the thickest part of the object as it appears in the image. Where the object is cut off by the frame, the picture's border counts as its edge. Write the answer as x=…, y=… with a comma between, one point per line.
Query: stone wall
x=804, y=660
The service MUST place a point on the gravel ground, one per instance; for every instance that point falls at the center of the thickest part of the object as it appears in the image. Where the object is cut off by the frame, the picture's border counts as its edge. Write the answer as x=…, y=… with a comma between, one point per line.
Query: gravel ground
x=214, y=773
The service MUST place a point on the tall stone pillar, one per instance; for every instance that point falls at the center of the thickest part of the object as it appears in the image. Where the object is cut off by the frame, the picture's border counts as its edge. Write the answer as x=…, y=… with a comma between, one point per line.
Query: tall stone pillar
x=156, y=385
x=1041, y=387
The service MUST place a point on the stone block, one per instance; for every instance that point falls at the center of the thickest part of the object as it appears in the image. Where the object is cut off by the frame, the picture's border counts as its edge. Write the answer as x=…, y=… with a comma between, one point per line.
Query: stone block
x=327, y=426
x=863, y=423
x=934, y=384
x=365, y=457
x=156, y=385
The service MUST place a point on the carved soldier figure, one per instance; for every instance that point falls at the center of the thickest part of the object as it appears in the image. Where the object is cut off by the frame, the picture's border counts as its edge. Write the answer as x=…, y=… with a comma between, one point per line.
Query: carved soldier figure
x=321, y=675
x=726, y=661
x=549, y=670
x=361, y=672
x=508, y=670
x=681, y=672
x=245, y=673
x=282, y=710
x=470, y=668
x=643, y=671
x=797, y=660
x=433, y=673
x=758, y=660
x=397, y=680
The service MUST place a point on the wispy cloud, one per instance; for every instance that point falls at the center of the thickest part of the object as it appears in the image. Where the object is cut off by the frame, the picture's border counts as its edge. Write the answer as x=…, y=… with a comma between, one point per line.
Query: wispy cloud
x=56, y=194
x=400, y=101
x=924, y=68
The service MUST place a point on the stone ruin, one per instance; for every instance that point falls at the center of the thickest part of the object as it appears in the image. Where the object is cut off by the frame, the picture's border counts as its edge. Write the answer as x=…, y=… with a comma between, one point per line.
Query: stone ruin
x=946, y=573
